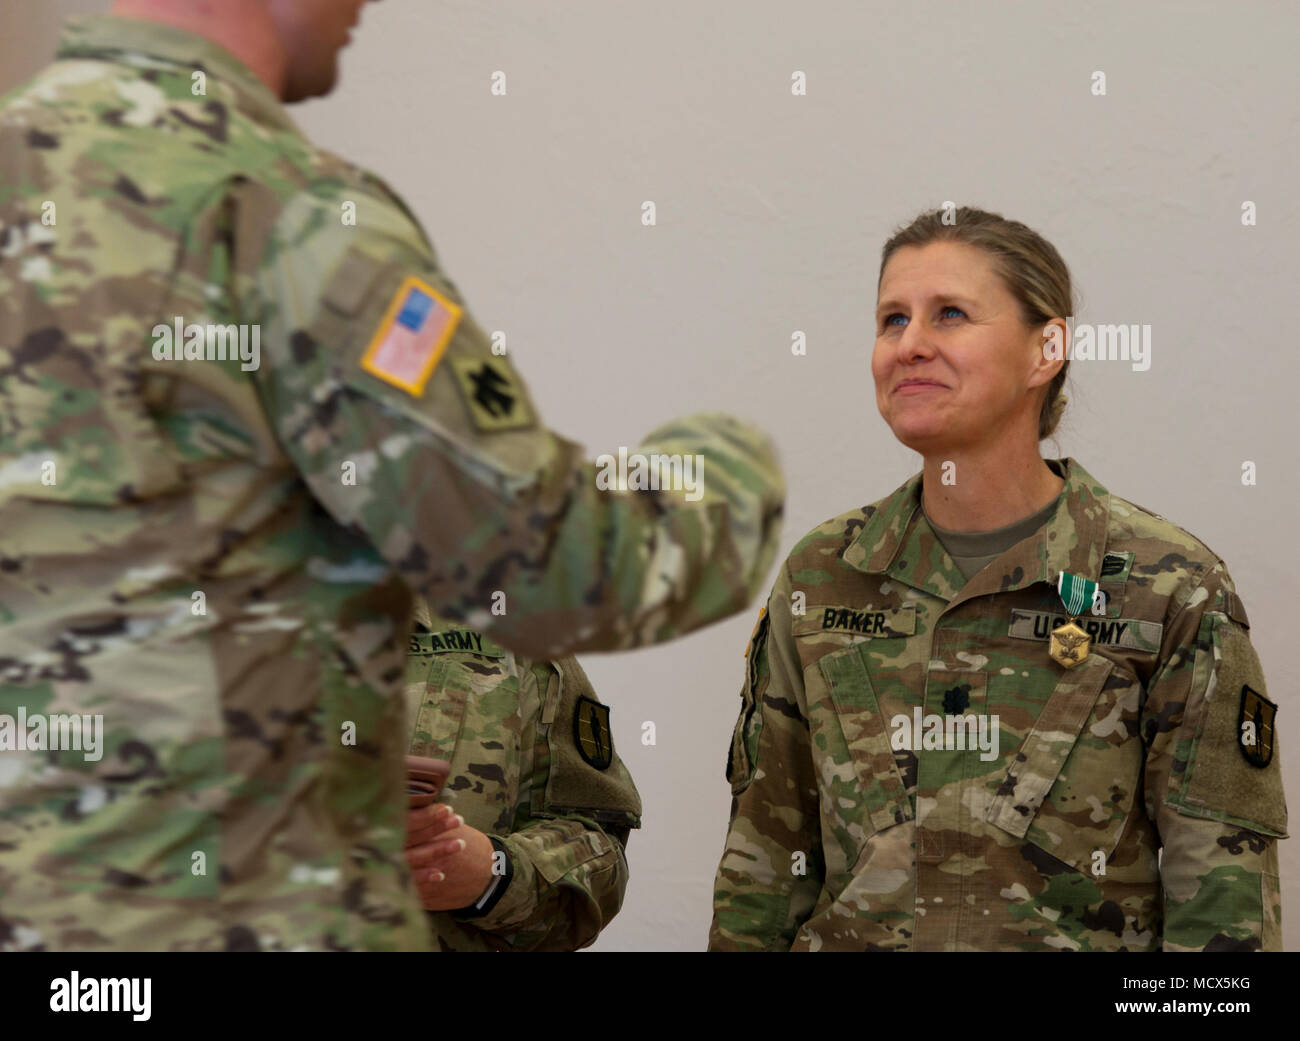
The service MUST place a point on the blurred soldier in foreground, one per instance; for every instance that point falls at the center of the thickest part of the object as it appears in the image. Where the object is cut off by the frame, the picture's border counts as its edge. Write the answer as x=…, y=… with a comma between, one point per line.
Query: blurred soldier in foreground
x=244, y=417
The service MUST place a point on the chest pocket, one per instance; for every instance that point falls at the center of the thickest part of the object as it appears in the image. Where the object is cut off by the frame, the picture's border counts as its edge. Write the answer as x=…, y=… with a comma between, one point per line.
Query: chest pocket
x=875, y=784
x=469, y=714
x=1071, y=786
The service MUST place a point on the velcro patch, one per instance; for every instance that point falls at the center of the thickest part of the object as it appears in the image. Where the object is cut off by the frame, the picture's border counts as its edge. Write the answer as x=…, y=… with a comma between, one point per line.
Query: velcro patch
x=1116, y=566
x=1134, y=633
x=412, y=337
x=586, y=776
x=1242, y=787
x=858, y=621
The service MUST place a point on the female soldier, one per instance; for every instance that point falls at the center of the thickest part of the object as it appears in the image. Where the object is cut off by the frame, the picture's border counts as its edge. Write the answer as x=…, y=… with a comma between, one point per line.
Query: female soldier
x=1002, y=708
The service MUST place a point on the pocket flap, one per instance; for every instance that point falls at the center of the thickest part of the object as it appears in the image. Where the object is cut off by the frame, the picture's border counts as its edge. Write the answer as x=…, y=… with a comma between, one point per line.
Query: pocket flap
x=879, y=783
x=1038, y=763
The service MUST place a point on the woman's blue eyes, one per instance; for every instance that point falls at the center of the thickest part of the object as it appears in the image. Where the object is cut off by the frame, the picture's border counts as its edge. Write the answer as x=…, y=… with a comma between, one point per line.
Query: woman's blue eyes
x=942, y=311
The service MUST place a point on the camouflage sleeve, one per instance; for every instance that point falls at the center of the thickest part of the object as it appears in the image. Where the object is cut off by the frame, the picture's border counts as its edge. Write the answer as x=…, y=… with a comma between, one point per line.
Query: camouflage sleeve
x=408, y=425
x=1213, y=782
x=567, y=849
x=771, y=871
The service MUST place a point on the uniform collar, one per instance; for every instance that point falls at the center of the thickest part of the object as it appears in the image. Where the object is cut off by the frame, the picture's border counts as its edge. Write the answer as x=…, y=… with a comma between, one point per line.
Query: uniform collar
x=897, y=541
x=145, y=44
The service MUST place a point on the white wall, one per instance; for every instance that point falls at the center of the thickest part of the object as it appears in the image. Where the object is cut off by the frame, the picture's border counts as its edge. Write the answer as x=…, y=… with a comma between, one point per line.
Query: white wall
x=772, y=211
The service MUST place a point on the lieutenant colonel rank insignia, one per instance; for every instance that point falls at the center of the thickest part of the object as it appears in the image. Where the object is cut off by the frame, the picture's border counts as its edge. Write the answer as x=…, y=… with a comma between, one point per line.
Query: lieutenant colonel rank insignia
x=492, y=394
x=1255, y=727
x=412, y=337
x=591, y=732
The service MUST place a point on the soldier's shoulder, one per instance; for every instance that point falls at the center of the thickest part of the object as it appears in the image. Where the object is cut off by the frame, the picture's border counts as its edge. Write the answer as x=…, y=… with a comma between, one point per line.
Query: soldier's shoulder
x=378, y=205
x=832, y=537
x=1167, y=557
x=141, y=119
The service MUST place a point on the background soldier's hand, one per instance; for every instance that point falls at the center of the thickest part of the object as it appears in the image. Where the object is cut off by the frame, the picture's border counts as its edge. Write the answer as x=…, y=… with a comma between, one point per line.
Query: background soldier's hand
x=450, y=862
x=426, y=823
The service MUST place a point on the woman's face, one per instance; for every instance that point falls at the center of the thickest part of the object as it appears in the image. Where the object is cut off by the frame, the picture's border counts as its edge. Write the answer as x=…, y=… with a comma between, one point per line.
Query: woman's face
x=947, y=320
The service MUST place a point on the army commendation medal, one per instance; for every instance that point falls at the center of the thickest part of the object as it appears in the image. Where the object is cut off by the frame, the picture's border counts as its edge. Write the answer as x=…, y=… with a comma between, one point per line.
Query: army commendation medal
x=1070, y=643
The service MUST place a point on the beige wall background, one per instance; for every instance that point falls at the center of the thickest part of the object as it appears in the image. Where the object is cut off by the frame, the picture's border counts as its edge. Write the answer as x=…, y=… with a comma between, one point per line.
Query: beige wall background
x=771, y=213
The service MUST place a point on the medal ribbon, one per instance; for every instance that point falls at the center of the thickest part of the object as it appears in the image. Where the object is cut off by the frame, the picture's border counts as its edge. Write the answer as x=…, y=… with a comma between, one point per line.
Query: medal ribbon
x=1076, y=592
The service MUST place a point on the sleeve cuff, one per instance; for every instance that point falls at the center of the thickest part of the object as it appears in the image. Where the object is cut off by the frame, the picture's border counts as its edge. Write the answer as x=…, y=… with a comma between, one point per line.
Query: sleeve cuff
x=496, y=888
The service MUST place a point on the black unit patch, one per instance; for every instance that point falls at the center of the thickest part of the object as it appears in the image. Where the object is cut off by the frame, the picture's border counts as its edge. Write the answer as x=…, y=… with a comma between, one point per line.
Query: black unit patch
x=1255, y=727
x=492, y=393
x=591, y=732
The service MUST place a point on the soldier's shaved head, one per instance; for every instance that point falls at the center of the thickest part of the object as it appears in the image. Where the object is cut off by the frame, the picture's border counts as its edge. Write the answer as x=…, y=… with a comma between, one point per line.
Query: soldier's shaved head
x=291, y=45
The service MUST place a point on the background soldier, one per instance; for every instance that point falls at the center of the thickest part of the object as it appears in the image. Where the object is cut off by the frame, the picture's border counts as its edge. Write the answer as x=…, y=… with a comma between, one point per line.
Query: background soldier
x=534, y=779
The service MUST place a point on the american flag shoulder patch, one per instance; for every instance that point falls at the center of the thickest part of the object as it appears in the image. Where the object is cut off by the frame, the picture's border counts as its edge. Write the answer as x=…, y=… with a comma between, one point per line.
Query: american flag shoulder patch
x=412, y=337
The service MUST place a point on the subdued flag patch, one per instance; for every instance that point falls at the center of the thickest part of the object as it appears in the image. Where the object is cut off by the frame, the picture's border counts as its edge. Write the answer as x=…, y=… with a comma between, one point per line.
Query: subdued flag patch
x=412, y=337
x=591, y=732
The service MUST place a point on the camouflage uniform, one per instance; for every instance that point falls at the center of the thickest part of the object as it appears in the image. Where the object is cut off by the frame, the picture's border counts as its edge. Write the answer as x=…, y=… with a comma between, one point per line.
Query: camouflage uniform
x=534, y=767
x=220, y=560
x=844, y=837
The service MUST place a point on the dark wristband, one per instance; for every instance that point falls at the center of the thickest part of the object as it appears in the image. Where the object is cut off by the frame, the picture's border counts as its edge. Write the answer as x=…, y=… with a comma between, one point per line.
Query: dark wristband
x=496, y=891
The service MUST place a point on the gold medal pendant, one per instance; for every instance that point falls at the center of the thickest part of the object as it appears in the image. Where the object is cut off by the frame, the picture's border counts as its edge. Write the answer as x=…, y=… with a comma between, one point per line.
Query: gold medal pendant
x=1069, y=644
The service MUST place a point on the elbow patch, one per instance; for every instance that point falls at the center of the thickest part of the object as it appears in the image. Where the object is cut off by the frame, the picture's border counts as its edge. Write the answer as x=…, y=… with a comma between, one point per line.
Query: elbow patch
x=1231, y=765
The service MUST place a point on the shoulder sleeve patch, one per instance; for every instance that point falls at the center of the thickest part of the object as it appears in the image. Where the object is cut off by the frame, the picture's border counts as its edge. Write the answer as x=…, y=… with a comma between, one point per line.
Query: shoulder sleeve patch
x=409, y=343
x=586, y=775
x=492, y=393
x=591, y=733
x=412, y=336
x=1233, y=770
